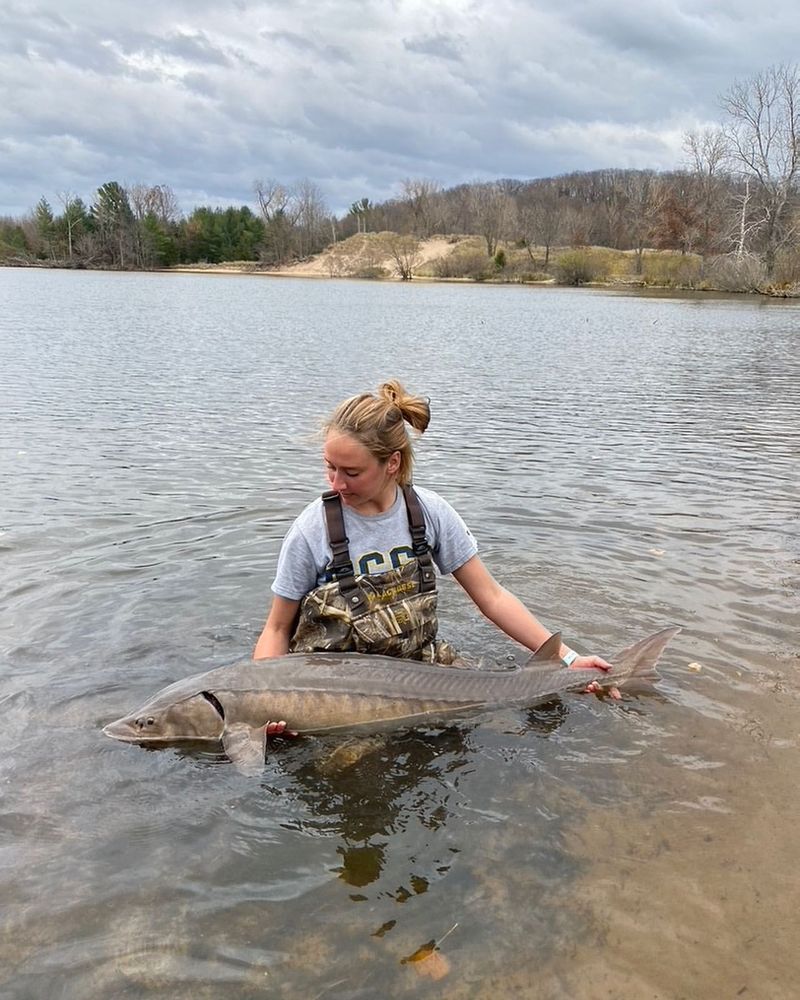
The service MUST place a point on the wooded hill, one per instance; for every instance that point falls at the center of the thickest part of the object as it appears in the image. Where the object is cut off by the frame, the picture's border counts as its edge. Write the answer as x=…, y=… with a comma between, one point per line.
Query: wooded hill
x=730, y=219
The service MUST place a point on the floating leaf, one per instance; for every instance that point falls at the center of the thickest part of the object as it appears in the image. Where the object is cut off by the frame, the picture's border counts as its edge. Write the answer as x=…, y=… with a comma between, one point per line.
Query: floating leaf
x=384, y=928
x=695, y=667
x=428, y=960
x=424, y=951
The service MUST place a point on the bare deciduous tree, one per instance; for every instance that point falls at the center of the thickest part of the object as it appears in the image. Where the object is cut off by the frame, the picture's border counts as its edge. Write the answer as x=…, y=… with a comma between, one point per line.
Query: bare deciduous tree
x=762, y=137
x=296, y=220
x=707, y=152
x=645, y=198
x=538, y=218
x=490, y=206
x=312, y=218
x=280, y=212
x=422, y=198
x=404, y=251
x=745, y=225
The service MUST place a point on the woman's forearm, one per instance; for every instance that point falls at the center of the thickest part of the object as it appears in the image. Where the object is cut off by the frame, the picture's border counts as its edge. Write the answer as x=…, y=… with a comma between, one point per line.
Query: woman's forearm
x=277, y=632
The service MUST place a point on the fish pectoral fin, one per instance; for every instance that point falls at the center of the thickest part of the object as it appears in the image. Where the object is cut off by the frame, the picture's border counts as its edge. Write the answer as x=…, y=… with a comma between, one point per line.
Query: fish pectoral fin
x=246, y=746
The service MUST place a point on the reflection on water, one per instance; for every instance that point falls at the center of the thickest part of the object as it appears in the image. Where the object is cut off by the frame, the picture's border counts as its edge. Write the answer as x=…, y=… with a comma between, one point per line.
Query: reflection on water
x=367, y=790
x=625, y=462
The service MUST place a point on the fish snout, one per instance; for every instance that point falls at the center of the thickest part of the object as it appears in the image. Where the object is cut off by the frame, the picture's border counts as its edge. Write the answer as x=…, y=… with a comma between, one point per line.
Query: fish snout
x=127, y=729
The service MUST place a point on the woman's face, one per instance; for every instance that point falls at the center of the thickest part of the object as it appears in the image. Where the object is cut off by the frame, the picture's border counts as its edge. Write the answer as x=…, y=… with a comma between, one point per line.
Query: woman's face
x=363, y=483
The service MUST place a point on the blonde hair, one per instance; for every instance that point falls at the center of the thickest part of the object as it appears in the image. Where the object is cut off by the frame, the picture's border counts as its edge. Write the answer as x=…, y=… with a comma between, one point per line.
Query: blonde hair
x=378, y=422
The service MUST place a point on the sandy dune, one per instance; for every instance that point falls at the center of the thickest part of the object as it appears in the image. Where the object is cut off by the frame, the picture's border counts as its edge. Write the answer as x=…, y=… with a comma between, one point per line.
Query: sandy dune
x=363, y=255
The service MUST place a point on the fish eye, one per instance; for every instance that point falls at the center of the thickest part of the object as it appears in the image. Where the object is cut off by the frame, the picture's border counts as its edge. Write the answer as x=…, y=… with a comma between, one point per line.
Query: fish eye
x=150, y=721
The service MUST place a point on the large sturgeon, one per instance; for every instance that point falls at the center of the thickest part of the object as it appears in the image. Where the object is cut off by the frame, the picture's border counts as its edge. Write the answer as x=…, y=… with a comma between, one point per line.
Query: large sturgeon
x=323, y=692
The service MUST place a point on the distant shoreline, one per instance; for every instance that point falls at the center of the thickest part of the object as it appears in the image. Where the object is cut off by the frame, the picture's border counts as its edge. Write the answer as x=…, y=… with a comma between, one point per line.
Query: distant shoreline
x=631, y=288
x=463, y=259
x=623, y=287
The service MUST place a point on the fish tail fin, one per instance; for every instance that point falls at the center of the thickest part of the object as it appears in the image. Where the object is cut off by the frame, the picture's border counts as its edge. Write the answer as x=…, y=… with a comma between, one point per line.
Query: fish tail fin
x=637, y=663
x=633, y=667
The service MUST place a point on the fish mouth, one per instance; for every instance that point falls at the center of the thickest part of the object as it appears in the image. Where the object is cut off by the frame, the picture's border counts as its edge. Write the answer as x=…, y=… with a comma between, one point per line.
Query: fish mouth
x=126, y=731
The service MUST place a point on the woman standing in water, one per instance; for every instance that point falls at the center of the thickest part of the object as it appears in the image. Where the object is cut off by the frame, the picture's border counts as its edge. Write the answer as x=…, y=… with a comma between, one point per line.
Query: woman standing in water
x=355, y=571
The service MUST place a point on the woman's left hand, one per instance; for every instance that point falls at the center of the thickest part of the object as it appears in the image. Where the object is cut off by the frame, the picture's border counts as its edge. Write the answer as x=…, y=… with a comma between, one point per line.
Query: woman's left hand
x=598, y=663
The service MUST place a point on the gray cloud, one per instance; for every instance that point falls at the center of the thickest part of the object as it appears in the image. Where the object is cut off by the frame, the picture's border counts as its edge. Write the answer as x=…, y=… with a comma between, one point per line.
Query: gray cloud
x=443, y=46
x=208, y=97
x=193, y=47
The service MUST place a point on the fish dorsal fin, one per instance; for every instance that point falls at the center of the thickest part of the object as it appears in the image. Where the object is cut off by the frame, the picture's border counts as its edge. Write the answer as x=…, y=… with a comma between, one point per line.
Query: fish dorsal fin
x=548, y=652
x=246, y=746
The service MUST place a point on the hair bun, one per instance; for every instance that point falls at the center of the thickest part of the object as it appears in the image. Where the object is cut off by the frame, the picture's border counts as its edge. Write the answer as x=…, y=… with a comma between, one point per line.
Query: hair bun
x=415, y=410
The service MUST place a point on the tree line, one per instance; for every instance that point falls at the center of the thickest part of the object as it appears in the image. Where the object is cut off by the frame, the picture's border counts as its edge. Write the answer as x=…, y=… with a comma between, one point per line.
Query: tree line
x=736, y=196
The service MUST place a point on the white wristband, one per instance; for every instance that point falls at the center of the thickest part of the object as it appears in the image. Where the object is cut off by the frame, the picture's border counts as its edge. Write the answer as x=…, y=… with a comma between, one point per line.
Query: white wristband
x=570, y=658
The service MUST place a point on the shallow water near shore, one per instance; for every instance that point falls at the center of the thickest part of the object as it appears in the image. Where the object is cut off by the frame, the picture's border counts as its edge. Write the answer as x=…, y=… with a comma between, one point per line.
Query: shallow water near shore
x=626, y=463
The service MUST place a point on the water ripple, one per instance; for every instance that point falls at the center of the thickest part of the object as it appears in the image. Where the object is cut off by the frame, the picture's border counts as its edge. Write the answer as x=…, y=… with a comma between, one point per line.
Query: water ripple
x=625, y=463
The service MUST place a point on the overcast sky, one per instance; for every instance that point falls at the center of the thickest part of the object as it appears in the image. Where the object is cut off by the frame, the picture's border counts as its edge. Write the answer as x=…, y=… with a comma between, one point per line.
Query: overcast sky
x=357, y=95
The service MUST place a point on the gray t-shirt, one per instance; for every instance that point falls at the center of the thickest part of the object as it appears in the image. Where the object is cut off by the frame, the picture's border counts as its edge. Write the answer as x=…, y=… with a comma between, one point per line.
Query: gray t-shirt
x=377, y=543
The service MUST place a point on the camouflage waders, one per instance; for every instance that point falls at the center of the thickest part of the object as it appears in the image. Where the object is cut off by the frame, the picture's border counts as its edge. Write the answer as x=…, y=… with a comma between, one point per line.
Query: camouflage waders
x=391, y=613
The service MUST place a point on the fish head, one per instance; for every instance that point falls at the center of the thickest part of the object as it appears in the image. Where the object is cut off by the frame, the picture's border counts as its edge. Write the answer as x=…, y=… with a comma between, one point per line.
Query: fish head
x=192, y=718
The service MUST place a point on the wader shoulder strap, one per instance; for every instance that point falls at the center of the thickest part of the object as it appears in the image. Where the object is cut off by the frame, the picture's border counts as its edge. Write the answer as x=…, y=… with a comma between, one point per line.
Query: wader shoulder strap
x=342, y=565
x=334, y=523
x=416, y=524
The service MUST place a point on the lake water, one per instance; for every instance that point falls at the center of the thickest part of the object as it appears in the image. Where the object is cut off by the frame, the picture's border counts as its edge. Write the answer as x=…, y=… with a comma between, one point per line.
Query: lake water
x=626, y=463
